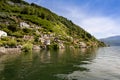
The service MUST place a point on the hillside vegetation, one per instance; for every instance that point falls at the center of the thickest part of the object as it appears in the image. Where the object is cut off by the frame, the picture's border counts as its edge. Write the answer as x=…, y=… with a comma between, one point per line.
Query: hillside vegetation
x=42, y=23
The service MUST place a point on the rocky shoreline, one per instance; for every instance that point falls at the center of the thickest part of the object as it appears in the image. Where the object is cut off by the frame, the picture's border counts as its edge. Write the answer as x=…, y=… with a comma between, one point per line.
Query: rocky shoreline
x=4, y=50
x=17, y=49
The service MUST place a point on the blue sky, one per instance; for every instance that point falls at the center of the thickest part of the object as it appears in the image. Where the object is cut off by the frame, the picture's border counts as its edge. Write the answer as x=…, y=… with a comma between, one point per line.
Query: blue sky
x=101, y=18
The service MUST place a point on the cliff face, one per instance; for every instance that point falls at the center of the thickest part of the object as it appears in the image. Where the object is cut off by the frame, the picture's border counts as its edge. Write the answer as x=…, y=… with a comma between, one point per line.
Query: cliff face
x=38, y=25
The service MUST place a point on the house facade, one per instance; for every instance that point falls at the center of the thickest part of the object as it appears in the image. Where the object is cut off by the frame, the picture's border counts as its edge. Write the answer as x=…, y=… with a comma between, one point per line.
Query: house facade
x=24, y=25
x=3, y=34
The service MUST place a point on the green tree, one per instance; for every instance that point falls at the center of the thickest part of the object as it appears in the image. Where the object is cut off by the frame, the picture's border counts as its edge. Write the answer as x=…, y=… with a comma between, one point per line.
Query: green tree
x=42, y=16
x=26, y=10
x=13, y=27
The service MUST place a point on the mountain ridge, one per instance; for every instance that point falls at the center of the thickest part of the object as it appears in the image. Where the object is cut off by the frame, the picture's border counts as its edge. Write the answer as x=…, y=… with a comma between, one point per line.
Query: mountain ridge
x=112, y=41
x=40, y=21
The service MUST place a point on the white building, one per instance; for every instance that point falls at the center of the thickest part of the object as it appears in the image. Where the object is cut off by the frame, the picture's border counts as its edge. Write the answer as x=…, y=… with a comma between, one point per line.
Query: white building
x=3, y=34
x=47, y=42
x=11, y=3
x=24, y=25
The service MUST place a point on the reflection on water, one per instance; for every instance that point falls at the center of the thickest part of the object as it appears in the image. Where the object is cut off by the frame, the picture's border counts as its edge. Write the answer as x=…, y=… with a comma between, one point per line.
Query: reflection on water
x=106, y=66
x=84, y=64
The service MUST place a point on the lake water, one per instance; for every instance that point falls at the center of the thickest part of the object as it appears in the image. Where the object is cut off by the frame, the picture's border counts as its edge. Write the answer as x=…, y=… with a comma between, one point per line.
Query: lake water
x=68, y=64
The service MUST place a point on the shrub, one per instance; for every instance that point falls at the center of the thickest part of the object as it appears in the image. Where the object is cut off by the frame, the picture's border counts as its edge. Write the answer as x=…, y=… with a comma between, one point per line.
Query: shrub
x=5, y=38
x=27, y=47
x=8, y=41
x=13, y=27
x=54, y=46
x=12, y=43
x=18, y=34
x=1, y=43
x=27, y=30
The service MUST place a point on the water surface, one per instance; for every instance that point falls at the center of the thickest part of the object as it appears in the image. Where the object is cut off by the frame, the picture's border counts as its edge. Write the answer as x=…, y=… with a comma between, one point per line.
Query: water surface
x=68, y=64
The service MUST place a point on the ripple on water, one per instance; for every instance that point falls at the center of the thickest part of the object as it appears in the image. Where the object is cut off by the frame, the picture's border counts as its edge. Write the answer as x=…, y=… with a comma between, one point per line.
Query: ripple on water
x=106, y=66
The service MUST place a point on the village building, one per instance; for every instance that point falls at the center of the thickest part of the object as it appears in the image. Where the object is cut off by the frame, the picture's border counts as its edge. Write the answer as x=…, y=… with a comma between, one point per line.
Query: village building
x=42, y=40
x=27, y=37
x=24, y=25
x=47, y=42
x=3, y=34
x=11, y=3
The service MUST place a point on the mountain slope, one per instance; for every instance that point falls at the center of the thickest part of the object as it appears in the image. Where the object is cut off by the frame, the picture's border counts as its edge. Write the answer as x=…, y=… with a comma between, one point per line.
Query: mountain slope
x=112, y=41
x=41, y=21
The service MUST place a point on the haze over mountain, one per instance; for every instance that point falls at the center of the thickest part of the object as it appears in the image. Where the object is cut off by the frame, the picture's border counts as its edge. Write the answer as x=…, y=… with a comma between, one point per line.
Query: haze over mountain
x=112, y=41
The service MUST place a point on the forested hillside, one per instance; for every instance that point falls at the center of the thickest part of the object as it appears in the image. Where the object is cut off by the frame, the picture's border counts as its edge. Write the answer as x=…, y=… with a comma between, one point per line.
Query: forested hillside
x=24, y=22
